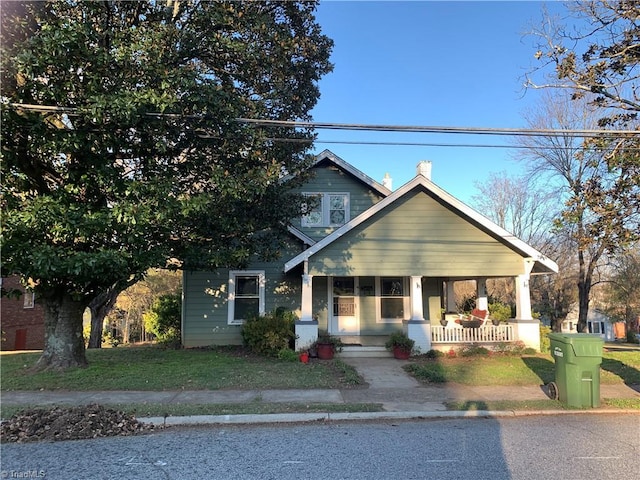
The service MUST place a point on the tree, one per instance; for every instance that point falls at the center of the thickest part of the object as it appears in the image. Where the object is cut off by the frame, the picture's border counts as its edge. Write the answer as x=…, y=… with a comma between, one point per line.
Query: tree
x=123, y=150
x=596, y=61
x=596, y=218
x=521, y=207
x=623, y=292
x=163, y=320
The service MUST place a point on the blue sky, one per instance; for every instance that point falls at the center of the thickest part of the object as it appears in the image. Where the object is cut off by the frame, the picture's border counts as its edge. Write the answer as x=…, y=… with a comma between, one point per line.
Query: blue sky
x=427, y=63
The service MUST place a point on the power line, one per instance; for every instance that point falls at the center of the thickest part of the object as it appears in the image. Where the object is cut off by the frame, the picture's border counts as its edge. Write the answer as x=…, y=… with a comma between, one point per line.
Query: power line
x=368, y=127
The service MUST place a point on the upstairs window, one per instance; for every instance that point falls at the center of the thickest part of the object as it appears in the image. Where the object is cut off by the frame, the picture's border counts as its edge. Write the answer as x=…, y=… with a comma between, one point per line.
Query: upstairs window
x=29, y=299
x=327, y=210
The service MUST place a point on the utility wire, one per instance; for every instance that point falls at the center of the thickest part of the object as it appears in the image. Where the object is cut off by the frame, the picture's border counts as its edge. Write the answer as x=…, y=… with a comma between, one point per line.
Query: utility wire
x=369, y=127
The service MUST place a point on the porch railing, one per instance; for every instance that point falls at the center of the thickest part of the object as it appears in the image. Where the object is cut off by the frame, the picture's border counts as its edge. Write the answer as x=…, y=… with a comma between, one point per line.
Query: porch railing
x=488, y=334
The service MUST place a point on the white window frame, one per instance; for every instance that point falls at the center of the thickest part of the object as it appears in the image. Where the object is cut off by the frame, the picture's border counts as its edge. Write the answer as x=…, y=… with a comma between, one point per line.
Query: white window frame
x=406, y=300
x=325, y=209
x=233, y=274
x=29, y=299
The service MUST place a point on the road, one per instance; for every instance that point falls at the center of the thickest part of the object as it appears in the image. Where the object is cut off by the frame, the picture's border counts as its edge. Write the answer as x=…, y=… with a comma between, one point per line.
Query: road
x=567, y=447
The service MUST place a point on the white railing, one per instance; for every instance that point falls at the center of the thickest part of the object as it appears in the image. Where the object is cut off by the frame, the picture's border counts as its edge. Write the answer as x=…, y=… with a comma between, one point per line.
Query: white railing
x=488, y=334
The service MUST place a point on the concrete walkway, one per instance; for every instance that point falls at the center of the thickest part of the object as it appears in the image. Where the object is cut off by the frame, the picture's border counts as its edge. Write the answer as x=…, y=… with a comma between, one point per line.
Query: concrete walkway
x=388, y=384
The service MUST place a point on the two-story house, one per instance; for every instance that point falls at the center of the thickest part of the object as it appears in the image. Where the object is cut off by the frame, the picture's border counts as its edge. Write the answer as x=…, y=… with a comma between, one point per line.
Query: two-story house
x=366, y=262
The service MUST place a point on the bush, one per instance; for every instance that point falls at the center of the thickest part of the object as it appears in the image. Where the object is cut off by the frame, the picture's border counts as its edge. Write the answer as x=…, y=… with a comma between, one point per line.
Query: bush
x=631, y=337
x=545, y=342
x=474, y=351
x=164, y=318
x=434, y=354
x=288, y=355
x=499, y=311
x=270, y=333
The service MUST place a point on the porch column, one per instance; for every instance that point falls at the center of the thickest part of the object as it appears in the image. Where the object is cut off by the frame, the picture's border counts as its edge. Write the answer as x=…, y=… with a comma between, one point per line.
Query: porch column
x=417, y=312
x=523, y=296
x=306, y=327
x=418, y=328
x=482, y=302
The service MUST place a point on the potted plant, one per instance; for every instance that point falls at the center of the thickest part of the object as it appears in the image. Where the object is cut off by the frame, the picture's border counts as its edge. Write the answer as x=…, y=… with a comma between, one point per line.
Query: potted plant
x=304, y=356
x=400, y=344
x=443, y=317
x=327, y=345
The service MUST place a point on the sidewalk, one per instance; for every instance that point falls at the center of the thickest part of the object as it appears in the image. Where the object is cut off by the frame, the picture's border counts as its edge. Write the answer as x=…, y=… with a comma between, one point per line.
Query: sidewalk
x=388, y=384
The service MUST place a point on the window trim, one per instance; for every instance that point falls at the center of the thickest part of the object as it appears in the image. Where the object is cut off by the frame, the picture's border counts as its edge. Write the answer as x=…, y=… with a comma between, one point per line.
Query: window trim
x=406, y=300
x=233, y=274
x=325, y=209
x=29, y=299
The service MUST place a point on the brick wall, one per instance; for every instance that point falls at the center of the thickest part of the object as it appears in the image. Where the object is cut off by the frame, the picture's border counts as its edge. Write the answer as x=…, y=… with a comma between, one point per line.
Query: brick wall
x=22, y=328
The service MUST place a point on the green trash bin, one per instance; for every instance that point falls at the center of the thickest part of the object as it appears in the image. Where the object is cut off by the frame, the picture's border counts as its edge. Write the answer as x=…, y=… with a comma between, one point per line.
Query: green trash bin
x=577, y=359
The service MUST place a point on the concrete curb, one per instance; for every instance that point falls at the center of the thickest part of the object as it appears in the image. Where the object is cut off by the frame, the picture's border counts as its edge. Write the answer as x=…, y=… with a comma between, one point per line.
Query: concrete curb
x=276, y=418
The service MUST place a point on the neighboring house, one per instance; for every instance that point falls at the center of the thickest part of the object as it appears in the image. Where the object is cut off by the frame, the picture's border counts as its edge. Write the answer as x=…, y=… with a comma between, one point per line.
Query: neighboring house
x=367, y=262
x=22, y=319
x=597, y=322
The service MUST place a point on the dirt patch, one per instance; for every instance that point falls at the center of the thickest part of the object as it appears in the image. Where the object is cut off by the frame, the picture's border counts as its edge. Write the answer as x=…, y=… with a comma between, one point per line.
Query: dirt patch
x=69, y=423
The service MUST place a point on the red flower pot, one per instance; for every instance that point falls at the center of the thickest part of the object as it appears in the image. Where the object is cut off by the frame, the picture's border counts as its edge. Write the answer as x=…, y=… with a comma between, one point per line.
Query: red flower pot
x=325, y=351
x=401, y=353
x=304, y=357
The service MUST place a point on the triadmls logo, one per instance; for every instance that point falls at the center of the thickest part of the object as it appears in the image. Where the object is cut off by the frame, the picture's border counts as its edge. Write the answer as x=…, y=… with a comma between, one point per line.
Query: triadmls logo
x=557, y=351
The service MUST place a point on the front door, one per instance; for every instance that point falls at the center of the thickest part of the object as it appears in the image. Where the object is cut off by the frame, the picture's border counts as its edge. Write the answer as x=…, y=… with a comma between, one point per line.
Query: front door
x=344, y=320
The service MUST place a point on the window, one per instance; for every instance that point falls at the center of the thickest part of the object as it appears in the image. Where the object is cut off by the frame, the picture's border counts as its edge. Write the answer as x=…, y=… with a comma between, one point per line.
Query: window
x=328, y=210
x=393, y=299
x=246, y=295
x=29, y=299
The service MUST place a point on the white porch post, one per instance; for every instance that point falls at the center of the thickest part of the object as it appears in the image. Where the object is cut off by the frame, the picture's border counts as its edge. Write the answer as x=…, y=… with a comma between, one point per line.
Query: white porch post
x=306, y=327
x=526, y=329
x=418, y=328
x=482, y=302
x=523, y=296
x=417, y=312
x=451, y=297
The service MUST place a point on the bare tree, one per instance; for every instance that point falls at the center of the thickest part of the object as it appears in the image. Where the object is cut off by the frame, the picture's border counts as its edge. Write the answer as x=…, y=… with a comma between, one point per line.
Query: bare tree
x=595, y=220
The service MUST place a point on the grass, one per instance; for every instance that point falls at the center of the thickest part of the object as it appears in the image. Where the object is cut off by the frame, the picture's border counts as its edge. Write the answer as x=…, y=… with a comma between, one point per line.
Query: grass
x=152, y=368
x=529, y=405
x=617, y=367
x=176, y=409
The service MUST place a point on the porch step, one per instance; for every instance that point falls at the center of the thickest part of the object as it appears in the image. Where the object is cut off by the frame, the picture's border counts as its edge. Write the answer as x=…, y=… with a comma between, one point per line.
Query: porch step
x=361, y=351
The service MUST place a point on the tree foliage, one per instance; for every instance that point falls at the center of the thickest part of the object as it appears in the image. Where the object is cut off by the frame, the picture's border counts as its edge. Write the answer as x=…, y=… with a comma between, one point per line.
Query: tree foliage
x=164, y=317
x=122, y=148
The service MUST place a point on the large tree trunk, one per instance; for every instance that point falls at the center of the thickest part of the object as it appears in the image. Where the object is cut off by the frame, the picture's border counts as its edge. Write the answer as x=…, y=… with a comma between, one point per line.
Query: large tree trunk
x=64, y=343
x=99, y=308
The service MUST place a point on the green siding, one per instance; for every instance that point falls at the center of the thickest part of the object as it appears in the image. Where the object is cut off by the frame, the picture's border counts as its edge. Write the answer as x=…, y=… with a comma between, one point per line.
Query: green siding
x=418, y=236
x=431, y=298
x=205, y=310
x=329, y=178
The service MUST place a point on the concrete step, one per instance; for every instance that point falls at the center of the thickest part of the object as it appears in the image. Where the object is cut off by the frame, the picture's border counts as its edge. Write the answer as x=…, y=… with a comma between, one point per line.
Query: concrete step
x=354, y=351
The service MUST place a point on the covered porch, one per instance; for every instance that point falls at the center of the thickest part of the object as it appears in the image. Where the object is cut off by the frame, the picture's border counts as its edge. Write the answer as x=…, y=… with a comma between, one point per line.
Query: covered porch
x=364, y=311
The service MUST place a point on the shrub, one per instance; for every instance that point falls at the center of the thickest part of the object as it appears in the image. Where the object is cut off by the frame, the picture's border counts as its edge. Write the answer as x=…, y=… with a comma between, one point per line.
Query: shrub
x=545, y=342
x=432, y=372
x=270, y=333
x=288, y=355
x=474, y=351
x=434, y=354
x=164, y=318
x=631, y=337
x=499, y=311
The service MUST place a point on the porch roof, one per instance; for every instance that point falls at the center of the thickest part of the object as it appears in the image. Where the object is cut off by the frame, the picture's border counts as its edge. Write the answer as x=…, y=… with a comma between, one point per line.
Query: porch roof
x=542, y=264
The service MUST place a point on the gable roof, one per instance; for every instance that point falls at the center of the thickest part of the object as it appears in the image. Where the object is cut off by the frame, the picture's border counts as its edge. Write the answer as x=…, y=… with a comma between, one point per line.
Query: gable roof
x=545, y=264
x=347, y=167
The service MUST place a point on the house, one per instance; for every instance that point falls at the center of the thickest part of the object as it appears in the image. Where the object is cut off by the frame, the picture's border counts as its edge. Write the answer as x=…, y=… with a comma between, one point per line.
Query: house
x=22, y=318
x=367, y=262
x=597, y=322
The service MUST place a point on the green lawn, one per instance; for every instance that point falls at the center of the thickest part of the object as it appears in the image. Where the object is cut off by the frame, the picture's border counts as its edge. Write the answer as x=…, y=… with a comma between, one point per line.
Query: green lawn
x=152, y=368
x=617, y=367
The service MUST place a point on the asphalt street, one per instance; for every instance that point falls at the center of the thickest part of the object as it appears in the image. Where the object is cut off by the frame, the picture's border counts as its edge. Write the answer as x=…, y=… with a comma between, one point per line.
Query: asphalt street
x=568, y=447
